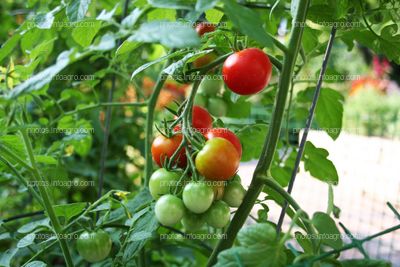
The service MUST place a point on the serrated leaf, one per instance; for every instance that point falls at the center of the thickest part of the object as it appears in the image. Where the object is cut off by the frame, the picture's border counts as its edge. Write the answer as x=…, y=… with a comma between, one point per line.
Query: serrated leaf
x=170, y=34
x=304, y=242
x=107, y=42
x=76, y=9
x=107, y=15
x=365, y=263
x=45, y=159
x=9, y=45
x=317, y=163
x=130, y=20
x=247, y=21
x=328, y=232
x=127, y=47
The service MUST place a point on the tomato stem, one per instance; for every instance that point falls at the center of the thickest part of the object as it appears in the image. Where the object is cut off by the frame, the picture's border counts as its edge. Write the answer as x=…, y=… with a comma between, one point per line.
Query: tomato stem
x=46, y=201
x=270, y=143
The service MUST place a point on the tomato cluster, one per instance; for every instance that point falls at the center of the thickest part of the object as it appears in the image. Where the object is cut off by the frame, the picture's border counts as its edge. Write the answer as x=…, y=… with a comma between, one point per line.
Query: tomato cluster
x=196, y=201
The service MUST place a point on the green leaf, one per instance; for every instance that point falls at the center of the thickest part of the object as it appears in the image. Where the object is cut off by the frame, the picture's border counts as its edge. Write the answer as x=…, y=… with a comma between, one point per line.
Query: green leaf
x=7, y=256
x=107, y=15
x=149, y=64
x=9, y=46
x=26, y=240
x=365, y=263
x=247, y=21
x=69, y=211
x=328, y=232
x=45, y=159
x=255, y=256
x=304, y=242
x=107, y=42
x=175, y=4
x=36, y=264
x=203, y=5
x=170, y=34
x=317, y=163
x=76, y=9
x=31, y=226
x=130, y=20
x=127, y=47
x=329, y=110
x=44, y=77
x=257, y=233
x=252, y=138
x=84, y=35
x=143, y=229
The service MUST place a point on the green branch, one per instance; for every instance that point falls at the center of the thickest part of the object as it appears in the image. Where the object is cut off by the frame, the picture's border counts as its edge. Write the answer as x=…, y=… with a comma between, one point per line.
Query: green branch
x=46, y=201
x=269, y=147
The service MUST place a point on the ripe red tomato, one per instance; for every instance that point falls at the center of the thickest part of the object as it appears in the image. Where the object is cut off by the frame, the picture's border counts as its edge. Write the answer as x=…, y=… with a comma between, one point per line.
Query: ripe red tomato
x=163, y=148
x=226, y=134
x=247, y=72
x=218, y=160
x=204, y=27
x=201, y=120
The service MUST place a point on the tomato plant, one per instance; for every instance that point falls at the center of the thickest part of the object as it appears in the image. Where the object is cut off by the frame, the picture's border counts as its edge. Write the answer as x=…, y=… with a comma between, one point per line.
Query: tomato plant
x=94, y=246
x=107, y=115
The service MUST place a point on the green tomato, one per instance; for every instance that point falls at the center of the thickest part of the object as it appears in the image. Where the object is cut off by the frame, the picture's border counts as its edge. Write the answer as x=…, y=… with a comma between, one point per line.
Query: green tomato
x=234, y=194
x=217, y=107
x=192, y=221
x=218, y=215
x=200, y=100
x=163, y=182
x=94, y=246
x=197, y=197
x=211, y=85
x=169, y=210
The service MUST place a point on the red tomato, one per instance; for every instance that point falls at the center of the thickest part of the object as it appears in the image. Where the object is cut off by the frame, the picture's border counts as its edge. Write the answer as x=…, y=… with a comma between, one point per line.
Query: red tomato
x=226, y=134
x=163, y=148
x=218, y=160
x=204, y=27
x=247, y=72
x=201, y=120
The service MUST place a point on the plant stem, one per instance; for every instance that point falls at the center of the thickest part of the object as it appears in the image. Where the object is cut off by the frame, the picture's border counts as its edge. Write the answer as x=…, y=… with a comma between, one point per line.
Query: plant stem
x=269, y=147
x=148, y=167
x=22, y=180
x=46, y=201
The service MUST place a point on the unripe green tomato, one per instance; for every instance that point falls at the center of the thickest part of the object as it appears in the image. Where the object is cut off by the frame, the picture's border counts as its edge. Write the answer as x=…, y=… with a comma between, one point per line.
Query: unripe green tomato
x=218, y=215
x=234, y=194
x=210, y=85
x=163, y=182
x=192, y=221
x=197, y=197
x=169, y=210
x=217, y=107
x=94, y=246
x=200, y=100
